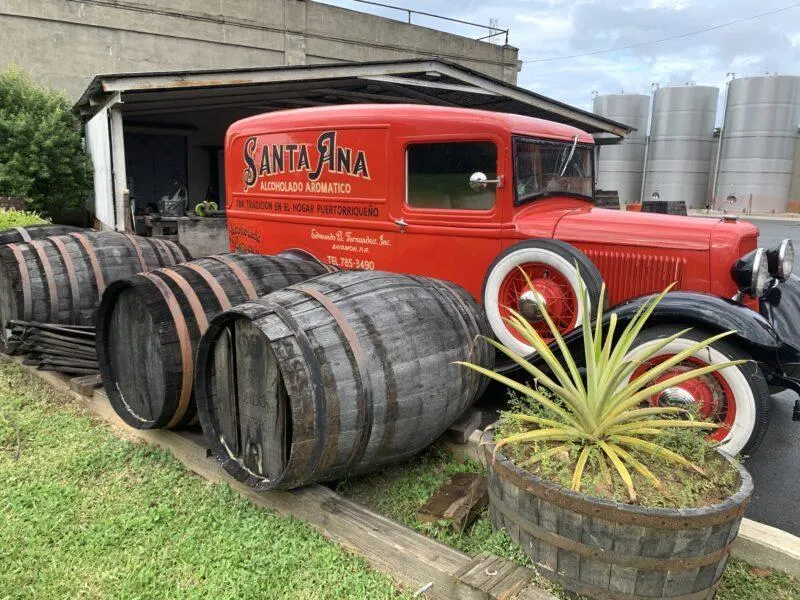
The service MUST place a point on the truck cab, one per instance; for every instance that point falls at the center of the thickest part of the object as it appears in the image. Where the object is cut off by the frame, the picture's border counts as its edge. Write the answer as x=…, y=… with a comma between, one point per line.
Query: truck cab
x=492, y=201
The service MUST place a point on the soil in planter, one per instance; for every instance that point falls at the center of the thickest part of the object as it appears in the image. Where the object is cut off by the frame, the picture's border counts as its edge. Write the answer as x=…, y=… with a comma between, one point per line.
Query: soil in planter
x=681, y=487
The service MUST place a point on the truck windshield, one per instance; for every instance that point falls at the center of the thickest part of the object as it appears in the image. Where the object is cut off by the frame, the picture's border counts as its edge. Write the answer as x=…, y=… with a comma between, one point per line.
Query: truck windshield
x=547, y=168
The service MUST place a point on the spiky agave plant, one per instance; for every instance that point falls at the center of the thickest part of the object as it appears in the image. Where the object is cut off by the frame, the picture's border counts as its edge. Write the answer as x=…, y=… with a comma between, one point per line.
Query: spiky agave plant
x=602, y=409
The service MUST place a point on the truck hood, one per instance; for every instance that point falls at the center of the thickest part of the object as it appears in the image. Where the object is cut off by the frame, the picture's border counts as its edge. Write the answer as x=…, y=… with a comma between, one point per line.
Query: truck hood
x=586, y=224
x=599, y=225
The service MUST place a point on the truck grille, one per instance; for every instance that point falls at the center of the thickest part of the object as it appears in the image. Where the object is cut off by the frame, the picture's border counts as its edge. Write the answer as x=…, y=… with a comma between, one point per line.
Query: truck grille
x=631, y=274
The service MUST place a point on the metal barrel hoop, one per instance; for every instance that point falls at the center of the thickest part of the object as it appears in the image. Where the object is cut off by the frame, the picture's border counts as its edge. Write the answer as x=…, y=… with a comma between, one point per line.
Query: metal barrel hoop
x=49, y=277
x=184, y=342
x=365, y=402
x=75, y=290
x=216, y=288
x=26, y=237
x=249, y=289
x=90, y=253
x=25, y=279
x=315, y=384
x=191, y=297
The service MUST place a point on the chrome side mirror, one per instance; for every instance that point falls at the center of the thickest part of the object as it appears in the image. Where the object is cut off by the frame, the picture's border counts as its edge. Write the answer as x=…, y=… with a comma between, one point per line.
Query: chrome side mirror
x=478, y=181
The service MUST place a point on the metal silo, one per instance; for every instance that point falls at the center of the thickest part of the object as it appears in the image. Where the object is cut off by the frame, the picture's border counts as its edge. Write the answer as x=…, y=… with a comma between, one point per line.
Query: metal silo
x=758, y=144
x=681, y=138
x=620, y=166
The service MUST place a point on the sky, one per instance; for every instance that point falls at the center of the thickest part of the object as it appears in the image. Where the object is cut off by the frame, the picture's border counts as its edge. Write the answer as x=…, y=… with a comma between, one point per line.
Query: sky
x=548, y=29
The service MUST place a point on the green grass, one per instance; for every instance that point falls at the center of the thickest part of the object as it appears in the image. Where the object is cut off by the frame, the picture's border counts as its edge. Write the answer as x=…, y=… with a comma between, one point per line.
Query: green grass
x=15, y=218
x=397, y=492
x=84, y=514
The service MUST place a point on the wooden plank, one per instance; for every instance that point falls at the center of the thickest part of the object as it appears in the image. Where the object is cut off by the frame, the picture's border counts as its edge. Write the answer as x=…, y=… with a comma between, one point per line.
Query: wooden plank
x=224, y=390
x=460, y=431
x=459, y=501
x=497, y=577
x=257, y=391
x=85, y=385
x=275, y=442
x=410, y=558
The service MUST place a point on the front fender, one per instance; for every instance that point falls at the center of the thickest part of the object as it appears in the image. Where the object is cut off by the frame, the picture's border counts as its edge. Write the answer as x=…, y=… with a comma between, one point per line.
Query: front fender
x=753, y=332
x=781, y=307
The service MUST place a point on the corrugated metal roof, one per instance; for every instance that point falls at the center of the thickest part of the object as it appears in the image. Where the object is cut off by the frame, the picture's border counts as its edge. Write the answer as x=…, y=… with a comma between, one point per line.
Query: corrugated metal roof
x=422, y=81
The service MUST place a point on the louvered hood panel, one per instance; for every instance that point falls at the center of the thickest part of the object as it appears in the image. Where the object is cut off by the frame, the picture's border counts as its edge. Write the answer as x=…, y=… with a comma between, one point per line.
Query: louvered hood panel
x=631, y=274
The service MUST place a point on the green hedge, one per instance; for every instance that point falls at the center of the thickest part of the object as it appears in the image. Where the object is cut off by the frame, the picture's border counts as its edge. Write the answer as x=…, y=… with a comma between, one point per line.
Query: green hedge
x=41, y=149
x=14, y=218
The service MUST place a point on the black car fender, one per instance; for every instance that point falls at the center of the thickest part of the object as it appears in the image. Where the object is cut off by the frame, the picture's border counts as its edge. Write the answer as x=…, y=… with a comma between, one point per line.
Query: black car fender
x=752, y=332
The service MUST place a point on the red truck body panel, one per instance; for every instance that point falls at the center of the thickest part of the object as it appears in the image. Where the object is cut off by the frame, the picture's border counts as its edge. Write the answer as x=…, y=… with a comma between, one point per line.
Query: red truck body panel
x=332, y=181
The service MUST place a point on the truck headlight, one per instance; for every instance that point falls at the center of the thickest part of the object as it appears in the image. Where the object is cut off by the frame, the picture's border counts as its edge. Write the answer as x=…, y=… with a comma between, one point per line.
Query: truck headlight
x=780, y=260
x=751, y=273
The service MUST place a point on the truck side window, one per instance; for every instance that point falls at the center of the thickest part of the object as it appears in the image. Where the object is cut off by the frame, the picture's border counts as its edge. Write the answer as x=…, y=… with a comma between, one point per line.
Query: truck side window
x=438, y=175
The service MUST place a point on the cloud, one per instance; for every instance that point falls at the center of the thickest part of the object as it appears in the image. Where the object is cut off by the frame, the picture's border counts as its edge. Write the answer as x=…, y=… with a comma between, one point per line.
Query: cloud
x=545, y=30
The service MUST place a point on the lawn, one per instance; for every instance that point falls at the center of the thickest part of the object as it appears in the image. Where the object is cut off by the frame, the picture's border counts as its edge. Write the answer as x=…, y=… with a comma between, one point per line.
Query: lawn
x=85, y=514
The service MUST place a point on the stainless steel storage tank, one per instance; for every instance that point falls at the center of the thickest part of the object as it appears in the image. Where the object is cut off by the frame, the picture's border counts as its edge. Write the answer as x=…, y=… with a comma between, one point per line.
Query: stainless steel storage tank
x=620, y=166
x=681, y=138
x=759, y=137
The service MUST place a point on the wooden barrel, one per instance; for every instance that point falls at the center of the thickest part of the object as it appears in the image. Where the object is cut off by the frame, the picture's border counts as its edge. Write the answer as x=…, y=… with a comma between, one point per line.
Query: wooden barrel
x=336, y=376
x=665, y=207
x=149, y=325
x=60, y=279
x=610, y=550
x=22, y=234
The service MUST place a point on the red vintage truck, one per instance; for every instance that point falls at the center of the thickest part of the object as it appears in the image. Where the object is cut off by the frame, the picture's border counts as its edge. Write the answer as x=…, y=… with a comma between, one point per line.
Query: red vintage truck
x=471, y=196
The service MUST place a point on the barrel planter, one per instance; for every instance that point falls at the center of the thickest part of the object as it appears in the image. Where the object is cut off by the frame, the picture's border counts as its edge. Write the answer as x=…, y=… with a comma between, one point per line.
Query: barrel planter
x=60, y=279
x=610, y=550
x=343, y=374
x=22, y=234
x=149, y=325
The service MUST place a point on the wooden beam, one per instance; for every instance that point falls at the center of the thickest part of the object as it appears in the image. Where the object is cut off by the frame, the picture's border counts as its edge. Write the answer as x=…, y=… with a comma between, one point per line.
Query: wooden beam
x=460, y=431
x=458, y=502
x=432, y=85
x=352, y=94
x=144, y=82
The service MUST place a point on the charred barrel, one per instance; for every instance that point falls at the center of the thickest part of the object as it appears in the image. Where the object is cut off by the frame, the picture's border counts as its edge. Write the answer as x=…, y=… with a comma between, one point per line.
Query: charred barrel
x=23, y=234
x=149, y=325
x=60, y=279
x=337, y=376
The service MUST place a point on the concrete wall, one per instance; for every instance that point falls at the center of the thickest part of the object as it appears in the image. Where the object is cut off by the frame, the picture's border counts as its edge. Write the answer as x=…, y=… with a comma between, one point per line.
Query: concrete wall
x=64, y=43
x=203, y=237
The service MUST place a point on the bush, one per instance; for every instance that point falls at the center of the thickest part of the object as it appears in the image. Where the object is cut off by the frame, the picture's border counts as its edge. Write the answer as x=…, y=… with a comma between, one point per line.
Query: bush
x=41, y=151
x=15, y=218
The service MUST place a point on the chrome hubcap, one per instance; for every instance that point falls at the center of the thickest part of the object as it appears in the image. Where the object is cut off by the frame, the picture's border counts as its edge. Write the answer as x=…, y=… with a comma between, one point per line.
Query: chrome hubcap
x=530, y=305
x=676, y=396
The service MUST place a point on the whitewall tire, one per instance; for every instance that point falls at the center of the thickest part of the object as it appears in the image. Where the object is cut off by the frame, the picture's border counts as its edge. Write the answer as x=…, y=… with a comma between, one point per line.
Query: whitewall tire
x=737, y=397
x=551, y=264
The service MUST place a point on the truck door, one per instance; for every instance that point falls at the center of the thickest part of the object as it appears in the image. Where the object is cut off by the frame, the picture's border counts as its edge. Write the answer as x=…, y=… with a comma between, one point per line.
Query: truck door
x=447, y=229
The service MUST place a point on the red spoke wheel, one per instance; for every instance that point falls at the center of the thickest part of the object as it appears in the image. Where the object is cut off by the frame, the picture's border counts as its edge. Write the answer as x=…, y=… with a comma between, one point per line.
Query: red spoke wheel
x=736, y=397
x=553, y=268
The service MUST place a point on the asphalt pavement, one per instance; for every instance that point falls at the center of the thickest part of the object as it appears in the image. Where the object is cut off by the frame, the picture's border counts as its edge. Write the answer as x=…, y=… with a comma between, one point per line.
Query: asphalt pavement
x=775, y=466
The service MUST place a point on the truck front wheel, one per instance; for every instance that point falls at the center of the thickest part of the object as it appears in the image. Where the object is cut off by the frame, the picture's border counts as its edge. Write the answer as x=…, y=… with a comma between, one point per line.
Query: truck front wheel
x=735, y=397
x=553, y=268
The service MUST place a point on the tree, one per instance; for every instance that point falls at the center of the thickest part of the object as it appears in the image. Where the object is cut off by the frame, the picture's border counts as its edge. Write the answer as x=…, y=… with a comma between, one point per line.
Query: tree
x=41, y=150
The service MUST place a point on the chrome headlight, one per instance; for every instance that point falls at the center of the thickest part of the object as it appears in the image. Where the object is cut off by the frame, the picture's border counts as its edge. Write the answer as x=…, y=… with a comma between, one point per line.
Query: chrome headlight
x=751, y=273
x=780, y=260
